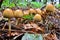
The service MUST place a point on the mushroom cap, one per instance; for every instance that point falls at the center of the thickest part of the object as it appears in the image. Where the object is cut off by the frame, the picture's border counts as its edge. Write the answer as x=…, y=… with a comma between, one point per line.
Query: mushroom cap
x=26, y=12
x=8, y=13
x=39, y=11
x=50, y=7
x=18, y=13
x=32, y=11
x=37, y=17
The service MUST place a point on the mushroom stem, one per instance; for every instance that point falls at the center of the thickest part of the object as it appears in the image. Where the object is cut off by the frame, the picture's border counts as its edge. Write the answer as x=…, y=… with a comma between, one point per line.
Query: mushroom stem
x=9, y=27
x=17, y=21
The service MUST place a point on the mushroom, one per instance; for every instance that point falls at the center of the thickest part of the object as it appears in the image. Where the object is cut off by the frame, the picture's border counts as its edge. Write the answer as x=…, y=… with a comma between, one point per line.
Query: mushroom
x=8, y=13
x=39, y=11
x=32, y=11
x=50, y=7
x=26, y=12
x=37, y=17
x=18, y=14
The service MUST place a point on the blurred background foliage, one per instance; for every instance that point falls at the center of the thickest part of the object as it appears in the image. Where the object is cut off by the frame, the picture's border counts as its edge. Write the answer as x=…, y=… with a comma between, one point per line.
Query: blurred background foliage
x=32, y=3
x=58, y=5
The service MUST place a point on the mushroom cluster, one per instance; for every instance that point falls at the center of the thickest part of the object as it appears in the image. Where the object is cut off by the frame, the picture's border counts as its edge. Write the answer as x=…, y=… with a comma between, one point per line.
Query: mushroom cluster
x=19, y=13
x=26, y=19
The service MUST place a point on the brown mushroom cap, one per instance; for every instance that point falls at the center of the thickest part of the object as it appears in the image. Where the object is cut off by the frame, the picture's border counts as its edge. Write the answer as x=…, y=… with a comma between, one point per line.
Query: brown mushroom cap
x=26, y=12
x=32, y=11
x=18, y=13
x=8, y=13
x=50, y=7
x=37, y=17
x=39, y=11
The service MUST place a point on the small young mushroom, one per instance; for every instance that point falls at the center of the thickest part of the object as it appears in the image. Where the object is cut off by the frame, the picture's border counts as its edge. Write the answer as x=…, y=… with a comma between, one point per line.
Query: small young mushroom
x=37, y=17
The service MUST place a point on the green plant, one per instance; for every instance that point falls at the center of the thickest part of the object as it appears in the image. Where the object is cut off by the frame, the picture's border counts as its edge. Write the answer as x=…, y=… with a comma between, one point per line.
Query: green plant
x=28, y=17
x=22, y=4
x=5, y=3
x=8, y=3
x=58, y=5
x=36, y=4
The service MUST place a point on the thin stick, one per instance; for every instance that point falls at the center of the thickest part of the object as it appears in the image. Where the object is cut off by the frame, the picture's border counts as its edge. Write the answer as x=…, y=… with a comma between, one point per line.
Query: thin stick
x=4, y=26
